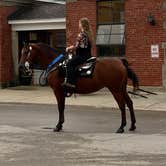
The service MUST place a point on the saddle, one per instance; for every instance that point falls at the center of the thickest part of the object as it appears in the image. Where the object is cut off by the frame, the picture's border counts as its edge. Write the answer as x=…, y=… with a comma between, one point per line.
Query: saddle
x=86, y=70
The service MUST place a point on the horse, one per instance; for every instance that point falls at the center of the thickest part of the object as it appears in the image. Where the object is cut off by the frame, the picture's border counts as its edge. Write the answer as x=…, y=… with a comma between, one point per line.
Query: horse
x=112, y=73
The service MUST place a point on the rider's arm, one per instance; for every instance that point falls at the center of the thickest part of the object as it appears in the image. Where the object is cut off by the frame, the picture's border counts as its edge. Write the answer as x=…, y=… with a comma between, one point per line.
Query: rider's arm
x=80, y=42
x=70, y=48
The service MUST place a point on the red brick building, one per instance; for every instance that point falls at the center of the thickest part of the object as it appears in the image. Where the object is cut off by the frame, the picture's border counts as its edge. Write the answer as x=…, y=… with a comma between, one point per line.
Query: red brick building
x=28, y=21
x=135, y=29
x=6, y=64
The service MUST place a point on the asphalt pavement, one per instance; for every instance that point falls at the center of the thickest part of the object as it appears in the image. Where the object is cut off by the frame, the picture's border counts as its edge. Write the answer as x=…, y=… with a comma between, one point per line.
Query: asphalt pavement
x=88, y=138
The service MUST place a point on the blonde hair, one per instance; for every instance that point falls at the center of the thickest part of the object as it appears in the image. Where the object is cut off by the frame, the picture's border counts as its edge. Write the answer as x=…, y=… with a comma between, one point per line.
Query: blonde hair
x=87, y=28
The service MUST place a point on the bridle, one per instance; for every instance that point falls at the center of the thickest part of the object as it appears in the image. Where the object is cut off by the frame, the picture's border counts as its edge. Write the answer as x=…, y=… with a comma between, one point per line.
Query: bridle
x=28, y=53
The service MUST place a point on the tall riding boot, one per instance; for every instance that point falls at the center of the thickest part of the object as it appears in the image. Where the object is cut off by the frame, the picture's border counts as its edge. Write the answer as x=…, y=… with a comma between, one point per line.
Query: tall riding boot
x=70, y=78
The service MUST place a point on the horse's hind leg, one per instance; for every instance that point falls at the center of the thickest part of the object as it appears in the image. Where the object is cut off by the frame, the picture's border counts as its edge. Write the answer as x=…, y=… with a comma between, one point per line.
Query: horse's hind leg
x=132, y=115
x=119, y=97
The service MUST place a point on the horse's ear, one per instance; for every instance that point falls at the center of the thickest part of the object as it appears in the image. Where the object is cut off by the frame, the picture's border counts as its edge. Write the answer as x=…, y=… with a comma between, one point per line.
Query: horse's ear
x=26, y=44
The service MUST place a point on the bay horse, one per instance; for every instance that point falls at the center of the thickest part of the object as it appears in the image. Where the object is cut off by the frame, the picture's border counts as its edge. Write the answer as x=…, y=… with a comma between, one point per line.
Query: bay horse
x=112, y=73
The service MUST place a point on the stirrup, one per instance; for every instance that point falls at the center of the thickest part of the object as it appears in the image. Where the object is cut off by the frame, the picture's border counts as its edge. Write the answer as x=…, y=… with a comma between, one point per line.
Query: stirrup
x=68, y=85
x=68, y=94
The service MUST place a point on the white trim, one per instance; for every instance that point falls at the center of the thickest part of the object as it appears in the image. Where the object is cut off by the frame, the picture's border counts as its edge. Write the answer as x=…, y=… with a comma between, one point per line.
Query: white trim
x=42, y=24
x=39, y=26
x=34, y=21
x=52, y=1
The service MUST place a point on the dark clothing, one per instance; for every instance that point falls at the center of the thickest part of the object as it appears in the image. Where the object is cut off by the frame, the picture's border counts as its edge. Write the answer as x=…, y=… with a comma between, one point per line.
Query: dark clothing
x=83, y=52
x=71, y=66
x=83, y=45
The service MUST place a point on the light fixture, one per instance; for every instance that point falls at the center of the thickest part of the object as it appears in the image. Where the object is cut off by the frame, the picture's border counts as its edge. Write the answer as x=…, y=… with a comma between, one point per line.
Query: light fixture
x=151, y=19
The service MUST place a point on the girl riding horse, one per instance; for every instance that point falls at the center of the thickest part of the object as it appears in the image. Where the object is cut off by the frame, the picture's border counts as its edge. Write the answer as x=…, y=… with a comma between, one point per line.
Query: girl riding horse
x=82, y=51
x=112, y=73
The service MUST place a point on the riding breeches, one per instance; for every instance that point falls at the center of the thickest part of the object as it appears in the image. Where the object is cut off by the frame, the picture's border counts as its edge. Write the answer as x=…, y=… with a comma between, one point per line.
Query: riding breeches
x=71, y=66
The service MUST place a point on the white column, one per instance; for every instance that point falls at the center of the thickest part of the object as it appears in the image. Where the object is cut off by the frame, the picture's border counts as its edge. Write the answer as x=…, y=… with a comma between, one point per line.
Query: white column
x=164, y=65
x=15, y=55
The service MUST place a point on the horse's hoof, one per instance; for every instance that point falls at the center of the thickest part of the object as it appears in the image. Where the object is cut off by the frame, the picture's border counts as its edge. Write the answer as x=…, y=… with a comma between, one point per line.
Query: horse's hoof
x=58, y=128
x=132, y=128
x=120, y=130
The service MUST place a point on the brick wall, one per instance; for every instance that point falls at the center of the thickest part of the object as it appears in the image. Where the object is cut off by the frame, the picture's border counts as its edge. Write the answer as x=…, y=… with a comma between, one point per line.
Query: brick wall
x=5, y=46
x=140, y=35
x=76, y=10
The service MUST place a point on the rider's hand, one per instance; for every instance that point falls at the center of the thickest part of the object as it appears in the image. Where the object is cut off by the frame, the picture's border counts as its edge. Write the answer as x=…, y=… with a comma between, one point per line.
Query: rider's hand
x=70, y=49
x=67, y=49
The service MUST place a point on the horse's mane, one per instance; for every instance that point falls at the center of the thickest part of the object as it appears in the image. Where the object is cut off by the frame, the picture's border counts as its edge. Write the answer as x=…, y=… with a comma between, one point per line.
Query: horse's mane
x=46, y=48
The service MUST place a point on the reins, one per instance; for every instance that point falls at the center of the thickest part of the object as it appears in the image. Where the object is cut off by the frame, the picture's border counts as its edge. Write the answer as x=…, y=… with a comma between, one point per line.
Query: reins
x=56, y=60
x=50, y=67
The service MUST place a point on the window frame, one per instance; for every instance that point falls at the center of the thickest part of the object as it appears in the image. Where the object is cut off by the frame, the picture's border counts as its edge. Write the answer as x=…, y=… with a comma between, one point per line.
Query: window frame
x=110, y=34
x=120, y=46
x=97, y=12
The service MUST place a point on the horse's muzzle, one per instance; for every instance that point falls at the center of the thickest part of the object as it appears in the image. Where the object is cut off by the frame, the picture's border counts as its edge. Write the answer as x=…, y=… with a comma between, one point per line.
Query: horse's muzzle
x=25, y=69
x=27, y=65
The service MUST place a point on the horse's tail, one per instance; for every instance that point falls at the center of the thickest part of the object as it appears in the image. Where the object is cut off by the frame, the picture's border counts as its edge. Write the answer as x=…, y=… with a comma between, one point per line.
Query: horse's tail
x=131, y=74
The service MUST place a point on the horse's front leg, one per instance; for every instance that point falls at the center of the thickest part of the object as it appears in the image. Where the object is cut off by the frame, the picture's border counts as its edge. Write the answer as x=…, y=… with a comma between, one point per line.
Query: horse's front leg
x=61, y=106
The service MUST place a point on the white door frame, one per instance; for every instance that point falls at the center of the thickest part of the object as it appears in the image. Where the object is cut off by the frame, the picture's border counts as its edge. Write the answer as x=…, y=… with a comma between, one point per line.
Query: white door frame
x=30, y=25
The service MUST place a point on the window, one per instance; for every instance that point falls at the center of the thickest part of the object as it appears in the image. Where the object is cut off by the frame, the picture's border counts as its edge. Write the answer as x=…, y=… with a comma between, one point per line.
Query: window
x=61, y=39
x=111, y=28
x=110, y=34
x=111, y=11
x=111, y=50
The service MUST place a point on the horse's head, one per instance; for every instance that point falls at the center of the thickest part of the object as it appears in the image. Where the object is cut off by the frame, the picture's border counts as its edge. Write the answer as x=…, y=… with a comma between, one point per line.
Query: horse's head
x=28, y=56
x=40, y=54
